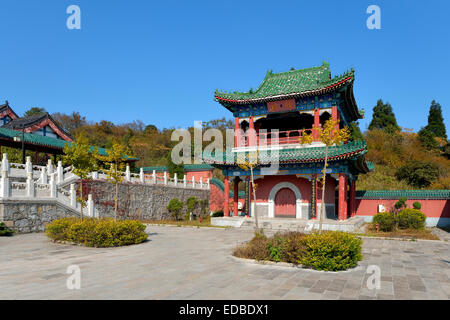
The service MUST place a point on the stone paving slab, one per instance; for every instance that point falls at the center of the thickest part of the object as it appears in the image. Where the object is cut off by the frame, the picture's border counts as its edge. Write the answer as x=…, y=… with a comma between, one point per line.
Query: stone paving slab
x=196, y=263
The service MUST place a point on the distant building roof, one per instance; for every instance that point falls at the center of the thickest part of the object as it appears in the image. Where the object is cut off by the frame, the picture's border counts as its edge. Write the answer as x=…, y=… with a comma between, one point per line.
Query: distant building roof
x=37, y=121
x=47, y=143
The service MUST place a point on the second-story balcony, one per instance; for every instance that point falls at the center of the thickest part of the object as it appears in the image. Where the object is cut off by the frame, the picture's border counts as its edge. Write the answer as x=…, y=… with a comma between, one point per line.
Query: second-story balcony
x=272, y=138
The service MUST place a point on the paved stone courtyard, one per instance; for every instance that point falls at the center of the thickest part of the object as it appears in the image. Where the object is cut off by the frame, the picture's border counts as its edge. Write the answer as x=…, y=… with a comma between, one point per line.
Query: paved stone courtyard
x=196, y=263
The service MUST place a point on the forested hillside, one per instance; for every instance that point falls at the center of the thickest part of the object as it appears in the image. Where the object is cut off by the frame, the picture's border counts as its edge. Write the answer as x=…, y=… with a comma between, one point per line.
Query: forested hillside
x=403, y=159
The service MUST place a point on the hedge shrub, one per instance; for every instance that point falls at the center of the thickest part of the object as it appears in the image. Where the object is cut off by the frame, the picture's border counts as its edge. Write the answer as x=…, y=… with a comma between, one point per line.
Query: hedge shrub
x=331, y=251
x=217, y=214
x=411, y=219
x=385, y=220
x=5, y=231
x=93, y=232
x=407, y=218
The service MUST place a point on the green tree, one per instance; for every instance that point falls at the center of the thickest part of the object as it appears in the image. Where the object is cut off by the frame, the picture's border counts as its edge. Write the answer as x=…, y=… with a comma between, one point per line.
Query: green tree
x=355, y=132
x=78, y=155
x=174, y=168
x=427, y=139
x=33, y=111
x=329, y=135
x=115, y=159
x=418, y=174
x=436, y=121
x=191, y=205
x=175, y=206
x=383, y=118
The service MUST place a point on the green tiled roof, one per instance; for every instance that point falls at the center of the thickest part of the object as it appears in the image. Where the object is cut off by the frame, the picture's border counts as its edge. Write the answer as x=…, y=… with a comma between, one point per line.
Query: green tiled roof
x=409, y=194
x=289, y=84
x=219, y=184
x=187, y=167
x=35, y=139
x=303, y=154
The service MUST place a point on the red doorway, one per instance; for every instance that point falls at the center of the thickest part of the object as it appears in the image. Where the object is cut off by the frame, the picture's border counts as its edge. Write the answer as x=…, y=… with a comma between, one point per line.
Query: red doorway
x=285, y=203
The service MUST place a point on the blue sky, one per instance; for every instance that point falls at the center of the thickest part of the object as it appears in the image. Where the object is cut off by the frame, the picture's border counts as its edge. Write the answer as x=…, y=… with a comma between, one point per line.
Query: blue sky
x=160, y=61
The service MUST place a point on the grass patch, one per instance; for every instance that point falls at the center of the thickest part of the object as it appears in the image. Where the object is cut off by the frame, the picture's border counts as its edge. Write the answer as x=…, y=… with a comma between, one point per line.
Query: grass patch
x=408, y=234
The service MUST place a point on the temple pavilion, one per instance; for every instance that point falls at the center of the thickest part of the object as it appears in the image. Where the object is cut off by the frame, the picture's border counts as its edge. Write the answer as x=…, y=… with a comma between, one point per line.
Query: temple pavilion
x=293, y=102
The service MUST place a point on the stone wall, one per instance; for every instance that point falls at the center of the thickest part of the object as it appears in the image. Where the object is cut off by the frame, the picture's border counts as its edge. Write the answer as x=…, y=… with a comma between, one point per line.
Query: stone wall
x=137, y=201
x=25, y=216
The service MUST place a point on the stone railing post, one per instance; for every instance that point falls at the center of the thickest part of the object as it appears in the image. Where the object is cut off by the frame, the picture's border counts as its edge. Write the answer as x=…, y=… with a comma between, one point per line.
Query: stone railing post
x=207, y=184
x=30, y=185
x=165, y=177
x=90, y=206
x=49, y=167
x=201, y=183
x=73, y=195
x=53, y=190
x=141, y=175
x=184, y=181
x=60, y=172
x=28, y=166
x=127, y=173
x=4, y=181
x=175, y=179
x=5, y=164
x=154, y=176
x=94, y=175
x=43, y=178
x=193, y=181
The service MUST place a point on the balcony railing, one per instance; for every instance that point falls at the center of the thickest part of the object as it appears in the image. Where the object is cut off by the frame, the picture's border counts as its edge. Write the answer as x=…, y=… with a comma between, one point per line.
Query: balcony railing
x=284, y=137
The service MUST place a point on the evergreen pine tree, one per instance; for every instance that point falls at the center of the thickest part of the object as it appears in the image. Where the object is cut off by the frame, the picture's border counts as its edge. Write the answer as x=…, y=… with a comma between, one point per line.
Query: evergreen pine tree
x=435, y=121
x=383, y=118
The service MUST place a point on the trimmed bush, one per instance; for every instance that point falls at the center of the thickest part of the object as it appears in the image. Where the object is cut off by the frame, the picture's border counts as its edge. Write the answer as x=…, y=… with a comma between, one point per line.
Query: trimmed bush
x=93, y=232
x=5, y=231
x=217, y=214
x=417, y=205
x=175, y=206
x=385, y=220
x=331, y=251
x=411, y=219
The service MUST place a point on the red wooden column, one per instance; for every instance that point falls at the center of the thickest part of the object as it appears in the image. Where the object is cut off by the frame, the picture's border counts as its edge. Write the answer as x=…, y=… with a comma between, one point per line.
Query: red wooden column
x=250, y=194
x=352, y=199
x=252, y=133
x=335, y=115
x=236, y=196
x=226, y=197
x=316, y=124
x=342, y=210
x=237, y=135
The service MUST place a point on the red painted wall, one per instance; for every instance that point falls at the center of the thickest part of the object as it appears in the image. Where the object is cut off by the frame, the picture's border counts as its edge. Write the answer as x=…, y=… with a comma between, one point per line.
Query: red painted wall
x=431, y=208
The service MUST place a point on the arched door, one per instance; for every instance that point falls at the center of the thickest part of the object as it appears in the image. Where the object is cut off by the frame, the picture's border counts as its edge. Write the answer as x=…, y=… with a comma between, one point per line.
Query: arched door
x=285, y=203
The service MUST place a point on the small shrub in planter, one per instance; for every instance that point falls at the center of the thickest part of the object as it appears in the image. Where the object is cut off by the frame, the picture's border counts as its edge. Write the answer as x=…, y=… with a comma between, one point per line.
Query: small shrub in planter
x=5, y=231
x=93, y=232
x=385, y=220
x=175, y=206
x=411, y=219
x=331, y=251
x=217, y=214
x=417, y=205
